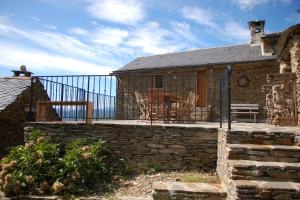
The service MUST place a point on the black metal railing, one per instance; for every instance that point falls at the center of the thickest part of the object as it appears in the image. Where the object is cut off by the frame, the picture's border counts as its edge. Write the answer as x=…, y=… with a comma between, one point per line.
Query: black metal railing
x=178, y=98
x=69, y=98
x=225, y=97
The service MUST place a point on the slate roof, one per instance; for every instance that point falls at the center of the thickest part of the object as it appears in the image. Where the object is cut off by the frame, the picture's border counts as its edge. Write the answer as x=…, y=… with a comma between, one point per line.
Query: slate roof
x=199, y=57
x=10, y=89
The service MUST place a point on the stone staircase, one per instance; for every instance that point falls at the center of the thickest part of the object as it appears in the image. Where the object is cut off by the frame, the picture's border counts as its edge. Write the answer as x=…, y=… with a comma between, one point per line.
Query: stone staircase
x=259, y=165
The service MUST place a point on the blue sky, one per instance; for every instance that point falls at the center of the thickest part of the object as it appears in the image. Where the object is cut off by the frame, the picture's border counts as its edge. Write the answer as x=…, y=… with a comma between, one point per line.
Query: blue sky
x=97, y=36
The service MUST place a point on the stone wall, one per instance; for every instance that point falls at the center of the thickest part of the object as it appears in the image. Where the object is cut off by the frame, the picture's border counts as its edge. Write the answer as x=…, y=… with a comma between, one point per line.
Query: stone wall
x=223, y=163
x=142, y=145
x=294, y=45
x=252, y=93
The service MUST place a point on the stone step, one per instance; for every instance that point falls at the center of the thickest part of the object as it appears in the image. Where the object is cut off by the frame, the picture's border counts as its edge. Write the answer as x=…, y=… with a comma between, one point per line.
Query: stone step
x=268, y=153
x=181, y=190
x=262, y=137
x=252, y=189
x=258, y=170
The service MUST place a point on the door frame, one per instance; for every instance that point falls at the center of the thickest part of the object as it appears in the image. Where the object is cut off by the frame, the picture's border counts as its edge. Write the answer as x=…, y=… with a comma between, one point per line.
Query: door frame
x=202, y=88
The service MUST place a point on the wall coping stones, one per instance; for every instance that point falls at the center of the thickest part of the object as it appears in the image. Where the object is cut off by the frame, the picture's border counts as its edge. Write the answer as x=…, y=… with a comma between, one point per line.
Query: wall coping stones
x=239, y=127
x=133, y=123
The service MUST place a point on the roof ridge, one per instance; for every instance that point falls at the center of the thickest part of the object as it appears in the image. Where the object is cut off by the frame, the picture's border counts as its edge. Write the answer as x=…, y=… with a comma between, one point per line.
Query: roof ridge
x=193, y=50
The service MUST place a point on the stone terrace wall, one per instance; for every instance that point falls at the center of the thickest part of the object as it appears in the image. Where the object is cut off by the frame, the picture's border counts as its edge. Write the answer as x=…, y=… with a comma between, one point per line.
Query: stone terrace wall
x=173, y=147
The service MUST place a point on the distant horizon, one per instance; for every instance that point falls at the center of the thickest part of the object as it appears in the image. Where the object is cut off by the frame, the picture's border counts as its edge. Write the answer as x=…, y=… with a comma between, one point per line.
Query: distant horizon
x=63, y=37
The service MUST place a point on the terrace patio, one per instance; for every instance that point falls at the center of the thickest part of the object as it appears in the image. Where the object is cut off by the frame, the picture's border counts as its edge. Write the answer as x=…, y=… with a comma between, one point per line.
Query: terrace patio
x=179, y=99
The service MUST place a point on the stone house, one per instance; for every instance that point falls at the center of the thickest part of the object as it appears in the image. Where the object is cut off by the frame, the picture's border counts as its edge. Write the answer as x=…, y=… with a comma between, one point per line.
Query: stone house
x=15, y=96
x=198, y=71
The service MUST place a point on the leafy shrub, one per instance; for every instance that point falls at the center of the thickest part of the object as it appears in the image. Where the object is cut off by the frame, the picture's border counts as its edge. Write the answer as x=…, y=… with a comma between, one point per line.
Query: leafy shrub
x=89, y=166
x=39, y=167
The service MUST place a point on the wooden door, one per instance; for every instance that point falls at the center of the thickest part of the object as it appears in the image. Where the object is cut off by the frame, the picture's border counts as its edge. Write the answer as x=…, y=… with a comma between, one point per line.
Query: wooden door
x=201, y=88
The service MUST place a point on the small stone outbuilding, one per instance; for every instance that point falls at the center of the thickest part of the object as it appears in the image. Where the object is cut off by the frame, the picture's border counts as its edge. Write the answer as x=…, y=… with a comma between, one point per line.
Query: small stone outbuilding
x=14, y=106
x=15, y=97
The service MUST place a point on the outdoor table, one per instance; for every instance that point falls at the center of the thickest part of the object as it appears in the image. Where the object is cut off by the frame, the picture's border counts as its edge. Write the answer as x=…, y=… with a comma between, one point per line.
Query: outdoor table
x=165, y=99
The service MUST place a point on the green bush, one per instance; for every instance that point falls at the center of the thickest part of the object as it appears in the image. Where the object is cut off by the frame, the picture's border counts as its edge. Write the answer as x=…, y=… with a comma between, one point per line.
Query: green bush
x=40, y=167
x=89, y=166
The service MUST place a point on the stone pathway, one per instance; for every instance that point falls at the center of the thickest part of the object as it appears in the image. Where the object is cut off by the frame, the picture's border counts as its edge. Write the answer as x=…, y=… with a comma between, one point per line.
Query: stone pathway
x=181, y=190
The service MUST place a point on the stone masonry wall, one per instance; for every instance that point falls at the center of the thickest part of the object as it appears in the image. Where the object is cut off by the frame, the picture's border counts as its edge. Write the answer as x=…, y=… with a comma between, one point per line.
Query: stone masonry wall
x=223, y=163
x=142, y=145
x=294, y=45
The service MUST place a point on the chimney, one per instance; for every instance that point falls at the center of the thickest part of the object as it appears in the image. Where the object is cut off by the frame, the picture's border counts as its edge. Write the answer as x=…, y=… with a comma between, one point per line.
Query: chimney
x=23, y=70
x=256, y=30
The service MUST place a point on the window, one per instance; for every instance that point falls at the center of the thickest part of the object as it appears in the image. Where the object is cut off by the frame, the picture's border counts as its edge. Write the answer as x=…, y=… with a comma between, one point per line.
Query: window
x=158, y=81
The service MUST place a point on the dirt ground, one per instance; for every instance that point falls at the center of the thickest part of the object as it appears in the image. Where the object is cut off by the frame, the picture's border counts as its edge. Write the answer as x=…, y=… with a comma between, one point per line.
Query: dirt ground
x=140, y=187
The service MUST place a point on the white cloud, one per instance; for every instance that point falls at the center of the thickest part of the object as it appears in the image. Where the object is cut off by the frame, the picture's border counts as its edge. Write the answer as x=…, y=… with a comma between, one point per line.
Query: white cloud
x=53, y=41
x=199, y=15
x=89, y=51
x=152, y=39
x=51, y=27
x=119, y=11
x=109, y=36
x=38, y=60
x=293, y=18
x=250, y=4
x=233, y=31
x=78, y=31
x=35, y=18
x=184, y=29
x=55, y=47
x=230, y=31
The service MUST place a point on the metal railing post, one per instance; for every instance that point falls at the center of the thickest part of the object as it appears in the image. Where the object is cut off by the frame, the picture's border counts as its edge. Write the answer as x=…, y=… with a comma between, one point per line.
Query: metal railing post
x=30, y=112
x=151, y=99
x=220, y=78
x=228, y=97
x=87, y=100
x=61, y=100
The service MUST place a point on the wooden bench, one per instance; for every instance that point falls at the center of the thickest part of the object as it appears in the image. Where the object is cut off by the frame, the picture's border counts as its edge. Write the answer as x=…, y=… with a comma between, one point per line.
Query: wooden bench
x=41, y=110
x=251, y=109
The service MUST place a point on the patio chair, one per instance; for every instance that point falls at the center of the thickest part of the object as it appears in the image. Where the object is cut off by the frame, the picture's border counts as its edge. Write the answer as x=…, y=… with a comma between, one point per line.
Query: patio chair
x=143, y=105
x=186, y=108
